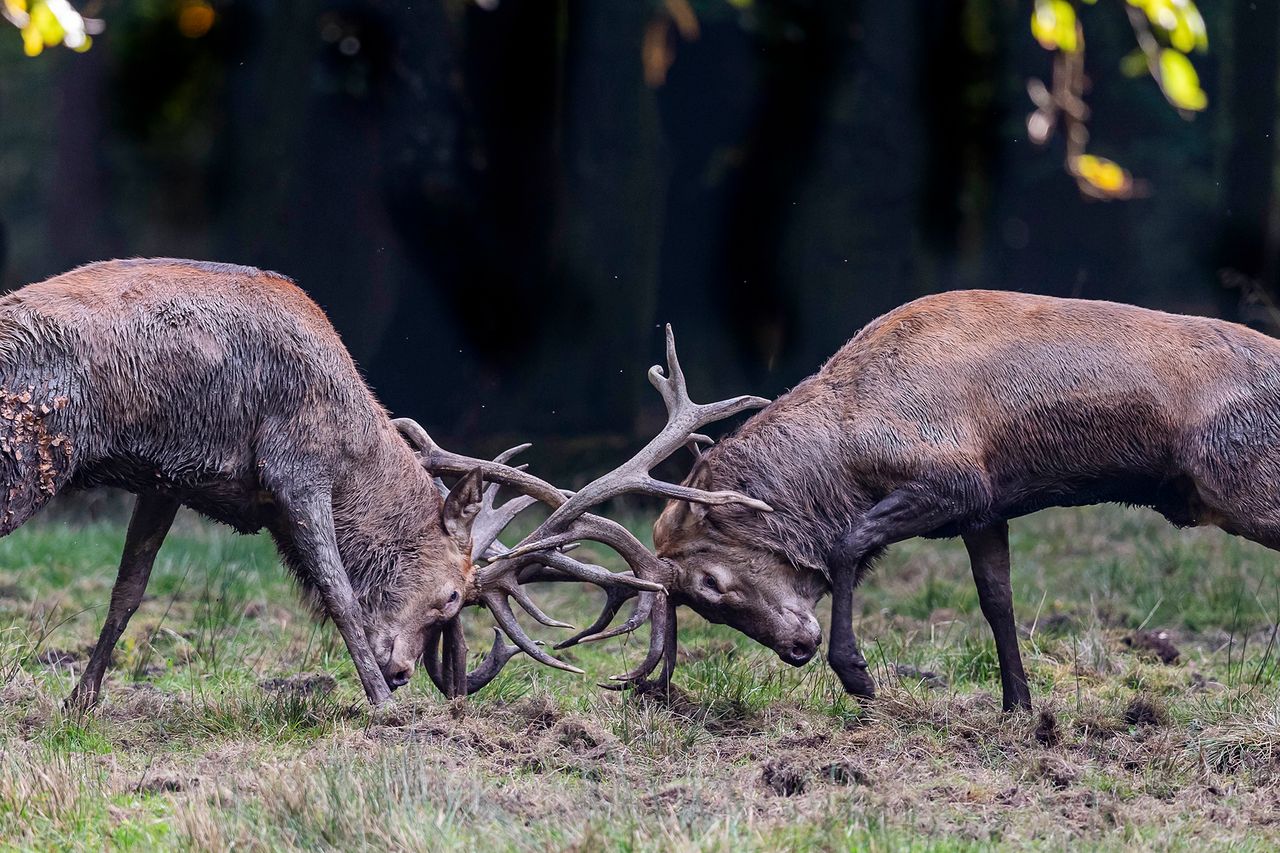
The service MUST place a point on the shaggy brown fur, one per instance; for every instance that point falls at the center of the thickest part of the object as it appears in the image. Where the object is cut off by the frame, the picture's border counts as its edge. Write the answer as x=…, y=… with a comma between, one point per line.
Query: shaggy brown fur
x=226, y=389
x=956, y=412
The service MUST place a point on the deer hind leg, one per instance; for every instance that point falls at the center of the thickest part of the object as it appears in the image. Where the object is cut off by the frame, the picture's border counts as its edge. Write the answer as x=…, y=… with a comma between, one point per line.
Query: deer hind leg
x=152, y=517
x=989, y=557
x=907, y=512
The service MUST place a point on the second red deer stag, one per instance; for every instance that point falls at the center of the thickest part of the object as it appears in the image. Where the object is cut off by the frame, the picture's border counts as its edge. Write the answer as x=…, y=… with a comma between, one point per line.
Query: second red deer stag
x=948, y=417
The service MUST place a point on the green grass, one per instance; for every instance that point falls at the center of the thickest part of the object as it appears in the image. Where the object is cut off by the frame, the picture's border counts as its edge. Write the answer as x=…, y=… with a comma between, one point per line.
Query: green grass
x=191, y=749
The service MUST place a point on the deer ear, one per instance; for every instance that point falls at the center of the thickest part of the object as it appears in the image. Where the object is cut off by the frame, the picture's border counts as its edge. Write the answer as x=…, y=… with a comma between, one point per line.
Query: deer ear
x=700, y=478
x=461, y=508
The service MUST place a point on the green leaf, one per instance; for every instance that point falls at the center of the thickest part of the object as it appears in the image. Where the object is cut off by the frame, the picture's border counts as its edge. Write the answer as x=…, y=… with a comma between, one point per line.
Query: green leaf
x=1134, y=64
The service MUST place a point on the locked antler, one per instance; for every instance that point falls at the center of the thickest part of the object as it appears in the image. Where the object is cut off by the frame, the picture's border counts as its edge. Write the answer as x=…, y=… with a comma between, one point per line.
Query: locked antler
x=539, y=555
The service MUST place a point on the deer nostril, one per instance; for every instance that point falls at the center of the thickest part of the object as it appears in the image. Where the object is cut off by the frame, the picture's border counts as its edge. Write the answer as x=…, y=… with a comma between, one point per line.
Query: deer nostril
x=399, y=677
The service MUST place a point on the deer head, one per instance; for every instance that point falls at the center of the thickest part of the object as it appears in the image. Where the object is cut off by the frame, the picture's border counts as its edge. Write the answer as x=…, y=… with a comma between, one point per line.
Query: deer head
x=541, y=556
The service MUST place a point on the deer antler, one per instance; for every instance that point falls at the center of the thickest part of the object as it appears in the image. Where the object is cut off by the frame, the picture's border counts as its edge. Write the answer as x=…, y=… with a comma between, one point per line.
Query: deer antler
x=539, y=556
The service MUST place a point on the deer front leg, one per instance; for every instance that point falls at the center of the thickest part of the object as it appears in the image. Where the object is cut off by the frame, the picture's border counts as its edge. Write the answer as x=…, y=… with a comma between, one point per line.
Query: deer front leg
x=989, y=556
x=311, y=533
x=152, y=517
x=842, y=649
x=912, y=510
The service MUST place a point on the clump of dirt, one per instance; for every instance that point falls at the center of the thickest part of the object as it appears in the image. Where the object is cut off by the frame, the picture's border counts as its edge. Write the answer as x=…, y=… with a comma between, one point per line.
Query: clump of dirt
x=583, y=738
x=1154, y=644
x=784, y=778
x=57, y=657
x=302, y=684
x=164, y=783
x=1046, y=730
x=539, y=713
x=844, y=773
x=1200, y=684
x=1142, y=711
x=929, y=679
x=667, y=696
x=132, y=702
x=719, y=718
x=1058, y=623
x=1055, y=770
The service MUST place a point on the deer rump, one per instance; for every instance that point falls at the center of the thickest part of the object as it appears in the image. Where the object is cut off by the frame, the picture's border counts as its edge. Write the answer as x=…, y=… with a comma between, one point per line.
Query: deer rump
x=157, y=387
x=995, y=405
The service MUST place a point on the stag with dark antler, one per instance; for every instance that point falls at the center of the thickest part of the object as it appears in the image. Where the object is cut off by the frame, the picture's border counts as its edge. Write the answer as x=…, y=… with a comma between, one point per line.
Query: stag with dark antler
x=540, y=555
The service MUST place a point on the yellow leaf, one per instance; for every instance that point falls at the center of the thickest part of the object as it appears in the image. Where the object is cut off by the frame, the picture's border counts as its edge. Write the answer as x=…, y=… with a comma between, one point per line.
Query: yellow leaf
x=1180, y=82
x=1181, y=37
x=1053, y=24
x=47, y=24
x=32, y=41
x=1195, y=23
x=1106, y=175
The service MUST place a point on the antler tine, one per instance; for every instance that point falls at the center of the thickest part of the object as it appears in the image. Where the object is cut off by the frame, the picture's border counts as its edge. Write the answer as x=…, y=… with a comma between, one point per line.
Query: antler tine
x=489, y=525
x=696, y=442
x=437, y=460
x=501, y=610
x=615, y=597
x=555, y=566
x=644, y=607
x=493, y=662
x=684, y=419
x=663, y=612
x=639, y=676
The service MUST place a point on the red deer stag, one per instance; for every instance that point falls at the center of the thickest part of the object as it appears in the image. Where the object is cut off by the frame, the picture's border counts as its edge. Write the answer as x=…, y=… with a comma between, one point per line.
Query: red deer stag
x=948, y=417
x=225, y=389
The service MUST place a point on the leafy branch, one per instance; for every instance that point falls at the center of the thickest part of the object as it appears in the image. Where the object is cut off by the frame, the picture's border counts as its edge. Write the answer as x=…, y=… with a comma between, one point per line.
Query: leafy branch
x=1166, y=32
x=46, y=23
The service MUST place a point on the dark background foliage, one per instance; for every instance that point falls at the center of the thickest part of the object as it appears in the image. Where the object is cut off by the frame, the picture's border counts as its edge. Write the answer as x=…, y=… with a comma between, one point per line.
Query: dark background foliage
x=498, y=204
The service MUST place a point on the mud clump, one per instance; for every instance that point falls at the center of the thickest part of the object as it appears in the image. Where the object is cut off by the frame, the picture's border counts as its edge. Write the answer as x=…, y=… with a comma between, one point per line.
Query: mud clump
x=932, y=680
x=583, y=738
x=302, y=684
x=538, y=713
x=844, y=773
x=164, y=783
x=57, y=658
x=784, y=778
x=1046, y=731
x=1154, y=644
x=1144, y=712
x=1055, y=771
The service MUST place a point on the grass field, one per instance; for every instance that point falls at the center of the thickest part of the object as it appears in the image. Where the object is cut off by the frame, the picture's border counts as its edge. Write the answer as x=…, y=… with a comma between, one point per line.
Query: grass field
x=231, y=720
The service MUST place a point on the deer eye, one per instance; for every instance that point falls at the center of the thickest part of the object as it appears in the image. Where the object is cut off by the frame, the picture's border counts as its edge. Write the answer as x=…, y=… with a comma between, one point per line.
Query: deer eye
x=710, y=584
x=453, y=596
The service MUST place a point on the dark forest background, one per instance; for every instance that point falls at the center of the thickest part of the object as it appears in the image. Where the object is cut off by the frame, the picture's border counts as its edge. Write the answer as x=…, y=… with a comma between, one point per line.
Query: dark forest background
x=499, y=203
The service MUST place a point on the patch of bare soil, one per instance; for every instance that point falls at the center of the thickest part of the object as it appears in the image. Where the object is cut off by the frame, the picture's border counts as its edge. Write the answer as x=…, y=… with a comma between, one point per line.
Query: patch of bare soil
x=1143, y=711
x=784, y=778
x=1153, y=644
x=302, y=684
x=58, y=658
x=1046, y=731
x=932, y=680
